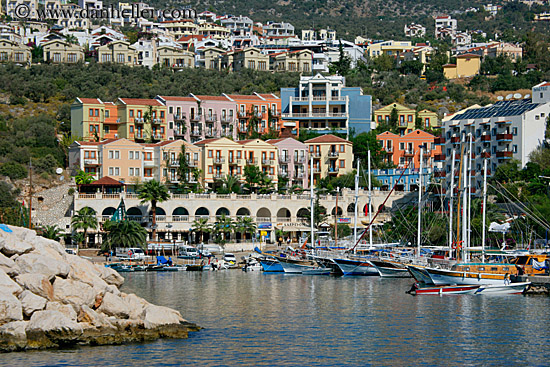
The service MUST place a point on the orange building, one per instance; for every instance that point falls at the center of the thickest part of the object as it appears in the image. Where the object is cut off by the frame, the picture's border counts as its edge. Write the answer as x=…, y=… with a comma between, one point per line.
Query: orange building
x=264, y=108
x=401, y=150
x=92, y=119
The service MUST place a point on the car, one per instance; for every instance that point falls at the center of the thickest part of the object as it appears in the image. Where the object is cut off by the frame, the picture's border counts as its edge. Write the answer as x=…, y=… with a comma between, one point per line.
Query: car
x=229, y=257
x=70, y=251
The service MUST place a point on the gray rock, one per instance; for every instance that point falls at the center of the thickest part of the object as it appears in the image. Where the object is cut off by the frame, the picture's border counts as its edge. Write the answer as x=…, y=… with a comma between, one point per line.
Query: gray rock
x=7, y=285
x=113, y=305
x=13, y=335
x=66, y=310
x=85, y=272
x=73, y=292
x=6, y=264
x=47, y=246
x=31, y=302
x=48, y=321
x=136, y=305
x=10, y=308
x=11, y=244
x=94, y=318
x=37, y=283
x=111, y=276
x=155, y=316
x=38, y=263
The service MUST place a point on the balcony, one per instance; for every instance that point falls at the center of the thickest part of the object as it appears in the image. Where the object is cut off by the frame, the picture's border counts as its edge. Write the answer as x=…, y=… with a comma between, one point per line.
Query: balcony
x=333, y=155
x=485, y=155
x=505, y=155
x=439, y=157
x=211, y=118
x=179, y=116
x=299, y=175
x=196, y=132
x=439, y=141
x=91, y=162
x=242, y=114
x=234, y=161
x=193, y=163
x=315, y=155
x=156, y=121
x=219, y=160
x=179, y=132
x=252, y=161
x=226, y=119
x=455, y=139
x=284, y=158
x=316, y=170
x=195, y=117
x=227, y=134
x=314, y=115
x=408, y=152
x=139, y=120
x=284, y=173
x=149, y=163
x=267, y=162
x=485, y=137
x=333, y=170
x=388, y=150
x=209, y=133
x=503, y=123
x=174, y=163
x=440, y=174
x=504, y=137
x=218, y=175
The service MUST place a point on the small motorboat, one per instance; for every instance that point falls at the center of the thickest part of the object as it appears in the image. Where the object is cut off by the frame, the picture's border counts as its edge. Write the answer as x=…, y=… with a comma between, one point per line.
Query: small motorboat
x=510, y=288
x=417, y=289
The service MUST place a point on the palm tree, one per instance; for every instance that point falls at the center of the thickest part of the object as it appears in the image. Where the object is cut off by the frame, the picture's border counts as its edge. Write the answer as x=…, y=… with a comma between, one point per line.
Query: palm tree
x=245, y=225
x=201, y=225
x=83, y=178
x=125, y=233
x=51, y=232
x=84, y=219
x=155, y=192
x=229, y=184
x=224, y=224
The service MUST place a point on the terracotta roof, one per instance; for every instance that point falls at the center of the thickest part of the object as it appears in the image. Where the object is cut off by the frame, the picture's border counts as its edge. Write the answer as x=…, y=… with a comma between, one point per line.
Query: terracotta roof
x=547, y=84
x=90, y=100
x=467, y=56
x=329, y=138
x=212, y=98
x=241, y=96
x=206, y=141
x=245, y=141
x=449, y=65
x=268, y=95
x=183, y=99
x=106, y=141
x=139, y=101
x=198, y=37
x=107, y=181
x=386, y=133
x=275, y=141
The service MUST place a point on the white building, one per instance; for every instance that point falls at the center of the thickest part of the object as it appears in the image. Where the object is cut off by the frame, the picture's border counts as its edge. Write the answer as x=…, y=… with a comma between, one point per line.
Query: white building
x=509, y=129
x=91, y=4
x=278, y=29
x=415, y=30
x=445, y=26
x=239, y=26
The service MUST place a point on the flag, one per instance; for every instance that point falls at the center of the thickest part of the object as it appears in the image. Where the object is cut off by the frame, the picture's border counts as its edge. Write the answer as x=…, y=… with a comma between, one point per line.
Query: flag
x=120, y=213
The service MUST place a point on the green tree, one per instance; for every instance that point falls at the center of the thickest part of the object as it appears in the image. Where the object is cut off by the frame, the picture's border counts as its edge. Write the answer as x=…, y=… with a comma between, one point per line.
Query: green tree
x=153, y=192
x=343, y=65
x=13, y=170
x=246, y=226
x=229, y=184
x=383, y=63
x=83, y=178
x=84, y=219
x=222, y=229
x=319, y=213
x=364, y=142
x=124, y=233
x=51, y=232
x=201, y=226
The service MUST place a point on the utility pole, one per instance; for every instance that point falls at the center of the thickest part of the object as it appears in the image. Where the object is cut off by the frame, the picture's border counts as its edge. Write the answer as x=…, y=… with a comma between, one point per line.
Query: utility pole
x=30, y=193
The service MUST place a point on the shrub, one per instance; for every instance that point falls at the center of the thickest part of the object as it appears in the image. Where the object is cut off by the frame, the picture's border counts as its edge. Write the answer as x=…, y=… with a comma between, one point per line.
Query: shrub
x=13, y=170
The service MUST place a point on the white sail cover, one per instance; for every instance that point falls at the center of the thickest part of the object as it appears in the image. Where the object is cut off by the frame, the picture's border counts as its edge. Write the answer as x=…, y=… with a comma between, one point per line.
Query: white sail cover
x=496, y=227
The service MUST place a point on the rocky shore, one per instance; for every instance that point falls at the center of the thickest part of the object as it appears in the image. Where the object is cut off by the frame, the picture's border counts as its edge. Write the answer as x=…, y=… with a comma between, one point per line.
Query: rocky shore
x=50, y=299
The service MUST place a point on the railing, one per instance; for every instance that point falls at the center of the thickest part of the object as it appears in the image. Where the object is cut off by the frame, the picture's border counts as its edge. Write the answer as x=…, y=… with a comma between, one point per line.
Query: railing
x=193, y=163
x=485, y=137
x=242, y=114
x=315, y=154
x=252, y=161
x=234, y=161
x=211, y=118
x=263, y=219
x=226, y=119
x=300, y=159
x=333, y=169
x=505, y=136
x=315, y=114
x=439, y=157
x=388, y=149
x=195, y=117
x=219, y=160
x=267, y=162
x=91, y=161
x=408, y=152
x=196, y=133
x=284, y=158
x=505, y=154
x=180, y=218
x=333, y=154
x=299, y=175
x=439, y=141
x=179, y=116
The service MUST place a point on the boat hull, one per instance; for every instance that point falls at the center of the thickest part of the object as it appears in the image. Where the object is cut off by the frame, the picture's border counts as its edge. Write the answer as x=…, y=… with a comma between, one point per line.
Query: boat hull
x=271, y=266
x=356, y=267
x=446, y=289
x=295, y=267
x=420, y=275
x=442, y=277
x=317, y=271
x=512, y=288
x=388, y=269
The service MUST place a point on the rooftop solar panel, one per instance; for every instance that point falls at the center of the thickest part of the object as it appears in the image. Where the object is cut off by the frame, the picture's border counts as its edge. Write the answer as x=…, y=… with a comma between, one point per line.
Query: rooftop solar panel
x=499, y=109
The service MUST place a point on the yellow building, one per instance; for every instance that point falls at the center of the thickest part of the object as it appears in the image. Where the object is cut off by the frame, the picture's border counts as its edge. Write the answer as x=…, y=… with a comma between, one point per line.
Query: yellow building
x=119, y=52
x=294, y=61
x=248, y=58
x=175, y=57
x=11, y=51
x=93, y=119
x=58, y=51
x=168, y=153
x=466, y=66
x=263, y=155
x=142, y=119
x=406, y=117
x=332, y=156
x=390, y=48
x=213, y=30
x=179, y=28
x=209, y=57
x=219, y=158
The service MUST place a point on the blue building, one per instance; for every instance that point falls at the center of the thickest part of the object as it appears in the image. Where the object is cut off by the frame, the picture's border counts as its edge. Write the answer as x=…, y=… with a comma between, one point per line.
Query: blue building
x=325, y=105
x=409, y=181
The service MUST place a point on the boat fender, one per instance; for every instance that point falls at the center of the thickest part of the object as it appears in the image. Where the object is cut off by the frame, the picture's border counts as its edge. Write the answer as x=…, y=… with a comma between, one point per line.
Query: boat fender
x=478, y=275
x=130, y=253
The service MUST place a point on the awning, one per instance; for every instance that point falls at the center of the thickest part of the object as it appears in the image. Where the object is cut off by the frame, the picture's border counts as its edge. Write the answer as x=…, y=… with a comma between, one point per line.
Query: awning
x=292, y=228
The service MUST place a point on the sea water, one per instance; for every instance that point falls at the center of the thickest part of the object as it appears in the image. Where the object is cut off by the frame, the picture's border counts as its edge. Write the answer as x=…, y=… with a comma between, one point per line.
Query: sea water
x=262, y=319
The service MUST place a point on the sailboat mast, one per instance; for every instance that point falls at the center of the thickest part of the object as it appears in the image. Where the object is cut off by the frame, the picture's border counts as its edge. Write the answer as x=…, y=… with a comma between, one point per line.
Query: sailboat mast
x=464, y=205
x=370, y=198
x=356, y=200
x=484, y=210
x=336, y=219
x=418, y=234
x=469, y=229
x=451, y=203
x=457, y=242
x=312, y=203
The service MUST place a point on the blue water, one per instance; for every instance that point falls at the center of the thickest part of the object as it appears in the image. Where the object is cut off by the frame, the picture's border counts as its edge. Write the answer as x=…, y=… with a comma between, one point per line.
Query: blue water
x=253, y=319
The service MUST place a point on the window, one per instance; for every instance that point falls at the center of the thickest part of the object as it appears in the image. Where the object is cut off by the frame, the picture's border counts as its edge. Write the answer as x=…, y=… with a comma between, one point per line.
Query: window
x=401, y=146
x=131, y=171
x=342, y=148
x=91, y=112
x=209, y=169
x=272, y=155
x=161, y=114
x=117, y=154
x=515, y=131
x=131, y=129
x=96, y=112
x=136, y=171
x=110, y=171
x=131, y=155
x=515, y=148
x=427, y=122
x=410, y=118
x=170, y=109
x=494, y=131
x=136, y=154
x=210, y=154
x=111, y=154
x=342, y=163
x=106, y=113
x=131, y=113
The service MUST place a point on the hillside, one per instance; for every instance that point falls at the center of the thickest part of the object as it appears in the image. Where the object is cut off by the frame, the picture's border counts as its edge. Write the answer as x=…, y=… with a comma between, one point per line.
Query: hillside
x=377, y=19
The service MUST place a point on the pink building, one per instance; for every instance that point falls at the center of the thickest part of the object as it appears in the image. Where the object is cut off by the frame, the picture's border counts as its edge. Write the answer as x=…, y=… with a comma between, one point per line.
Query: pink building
x=197, y=117
x=293, y=160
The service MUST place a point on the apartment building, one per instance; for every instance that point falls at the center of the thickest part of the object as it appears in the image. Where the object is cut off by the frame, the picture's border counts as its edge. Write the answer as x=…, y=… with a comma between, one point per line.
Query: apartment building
x=406, y=117
x=402, y=179
x=292, y=61
x=445, y=26
x=209, y=57
x=324, y=104
x=256, y=112
x=11, y=51
x=414, y=30
x=332, y=156
x=506, y=130
x=161, y=161
x=119, y=52
x=293, y=161
x=278, y=29
x=404, y=150
x=180, y=28
x=390, y=48
x=174, y=57
x=221, y=157
x=466, y=66
x=264, y=155
x=213, y=30
x=93, y=119
x=58, y=51
x=248, y=58
x=239, y=26
x=142, y=120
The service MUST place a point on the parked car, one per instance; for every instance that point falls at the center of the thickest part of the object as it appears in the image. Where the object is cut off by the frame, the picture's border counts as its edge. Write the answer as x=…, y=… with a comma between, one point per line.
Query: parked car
x=229, y=257
x=188, y=252
x=132, y=253
x=212, y=249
